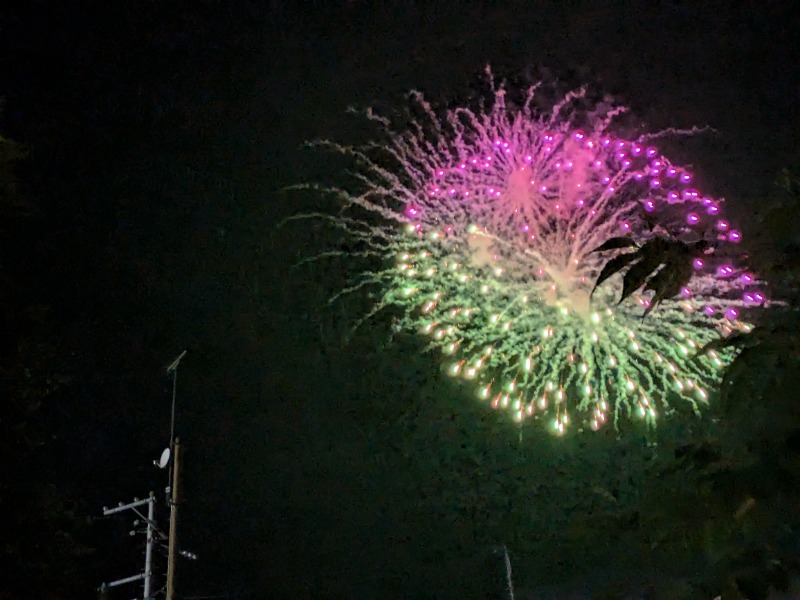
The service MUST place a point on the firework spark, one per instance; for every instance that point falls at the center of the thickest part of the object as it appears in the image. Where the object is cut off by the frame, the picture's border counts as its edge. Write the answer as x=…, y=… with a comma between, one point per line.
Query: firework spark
x=488, y=222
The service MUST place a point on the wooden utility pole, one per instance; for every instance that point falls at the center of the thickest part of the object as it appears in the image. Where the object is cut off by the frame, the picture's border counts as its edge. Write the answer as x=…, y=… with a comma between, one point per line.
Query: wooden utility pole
x=173, y=522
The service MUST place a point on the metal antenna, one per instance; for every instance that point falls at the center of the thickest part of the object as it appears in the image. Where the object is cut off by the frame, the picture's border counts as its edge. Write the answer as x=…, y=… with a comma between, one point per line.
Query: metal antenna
x=173, y=368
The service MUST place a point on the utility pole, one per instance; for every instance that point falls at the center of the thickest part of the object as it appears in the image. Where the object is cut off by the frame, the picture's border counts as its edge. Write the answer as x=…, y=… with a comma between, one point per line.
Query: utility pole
x=172, y=499
x=148, y=553
x=151, y=528
x=173, y=523
x=172, y=488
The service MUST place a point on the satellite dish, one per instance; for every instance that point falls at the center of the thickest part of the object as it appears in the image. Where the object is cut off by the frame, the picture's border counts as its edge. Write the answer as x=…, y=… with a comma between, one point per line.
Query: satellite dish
x=164, y=460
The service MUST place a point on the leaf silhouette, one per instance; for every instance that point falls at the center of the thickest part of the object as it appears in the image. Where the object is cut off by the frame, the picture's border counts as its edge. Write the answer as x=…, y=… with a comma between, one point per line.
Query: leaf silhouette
x=616, y=243
x=669, y=280
x=615, y=265
x=651, y=255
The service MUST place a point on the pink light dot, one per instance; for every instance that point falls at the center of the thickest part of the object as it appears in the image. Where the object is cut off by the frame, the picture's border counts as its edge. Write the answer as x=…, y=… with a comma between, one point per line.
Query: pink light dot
x=621, y=144
x=606, y=179
x=746, y=278
x=692, y=218
x=724, y=271
x=626, y=163
x=411, y=211
x=625, y=226
x=656, y=163
x=734, y=236
x=709, y=311
x=689, y=194
x=748, y=297
x=526, y=228
x=731, y=314
x=606, y=141
x=651, y=152
x=578, y=135
x=649, y=205
x=713, y=209
x=638, y=176
x=543, y=189
x=671, y=172
x=654, y=183
x=528, y=158
x=672, y=197
x=580, y=203
x=698, y=263
x=452, y=191
x=686, y=292
x=722, y=225
x=758, y=297
x=590, y=144
x=636, y=150
x=686, y=178
x=598, y=164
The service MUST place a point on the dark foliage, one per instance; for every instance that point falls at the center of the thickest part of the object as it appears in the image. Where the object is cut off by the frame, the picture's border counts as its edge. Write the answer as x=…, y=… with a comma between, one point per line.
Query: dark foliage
x=662, y=265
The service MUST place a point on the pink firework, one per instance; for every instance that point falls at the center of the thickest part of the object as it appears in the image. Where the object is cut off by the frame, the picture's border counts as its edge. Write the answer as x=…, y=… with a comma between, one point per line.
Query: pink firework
x=491, y=220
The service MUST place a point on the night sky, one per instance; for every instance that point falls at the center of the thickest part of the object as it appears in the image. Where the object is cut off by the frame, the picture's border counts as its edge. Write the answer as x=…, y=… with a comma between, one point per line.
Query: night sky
x=319, y=463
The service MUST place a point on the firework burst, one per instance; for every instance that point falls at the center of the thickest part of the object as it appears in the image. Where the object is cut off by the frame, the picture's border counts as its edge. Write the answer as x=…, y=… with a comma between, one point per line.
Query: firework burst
x=488, y=223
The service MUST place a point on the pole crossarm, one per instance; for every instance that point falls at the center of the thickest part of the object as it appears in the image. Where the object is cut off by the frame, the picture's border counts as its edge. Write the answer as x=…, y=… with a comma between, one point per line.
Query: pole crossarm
x=151, y=532
x=131, y=505
x=126, y=580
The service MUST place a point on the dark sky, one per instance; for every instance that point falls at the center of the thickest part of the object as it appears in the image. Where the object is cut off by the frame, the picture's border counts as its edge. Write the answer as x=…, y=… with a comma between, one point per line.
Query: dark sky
x=160, y=134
